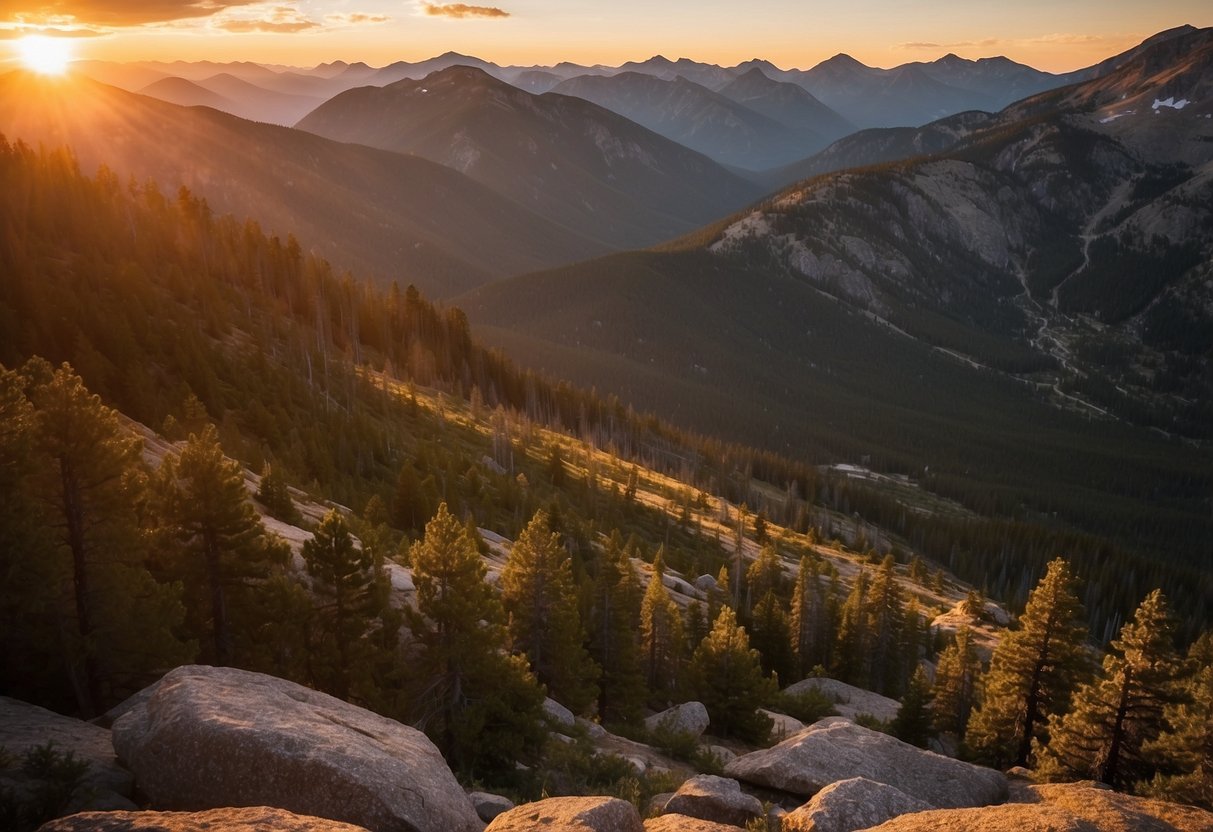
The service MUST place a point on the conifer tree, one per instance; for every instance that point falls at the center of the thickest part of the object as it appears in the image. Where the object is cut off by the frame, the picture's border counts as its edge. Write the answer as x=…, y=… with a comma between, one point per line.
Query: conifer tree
x=343, y=580
x=115, y=621
x=886, y=617
x=1183, y=752
x=275, y=496
x=1115, y=716
x=540, y=601
x=913, y=721
x=764, y=575
x=226, y=552
x=772, y=640
x=614, y=628
x=853, y=653
x=661, y=635
x=727, y=678
x=481, y=706
x=808, y=624
x=955, y=688
x=1033, y=672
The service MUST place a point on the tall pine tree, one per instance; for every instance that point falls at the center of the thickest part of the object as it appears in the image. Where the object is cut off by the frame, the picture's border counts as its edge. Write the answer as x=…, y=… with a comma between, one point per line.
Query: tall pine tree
x=614, y=635
x=955, y=687
x=661, y=635
x=1033, y=672
x=727, y=678
x=1115, y=716
x=481, y=706
x=544, y=620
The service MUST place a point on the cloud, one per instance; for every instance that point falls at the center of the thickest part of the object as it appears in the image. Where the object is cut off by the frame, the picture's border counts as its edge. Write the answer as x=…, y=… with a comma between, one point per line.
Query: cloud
x=460, y=11
x=984, y=43
x=104, y=13
x=1065, y=39
x=282, y=20
x=14, y=32
x=355, y=19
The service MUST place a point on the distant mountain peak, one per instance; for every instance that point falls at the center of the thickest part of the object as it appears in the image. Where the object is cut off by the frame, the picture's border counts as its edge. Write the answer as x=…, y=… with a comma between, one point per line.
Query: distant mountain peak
x=952, y=59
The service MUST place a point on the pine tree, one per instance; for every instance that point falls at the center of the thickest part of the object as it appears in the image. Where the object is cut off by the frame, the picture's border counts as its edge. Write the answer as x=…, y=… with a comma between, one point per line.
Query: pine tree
x=116, y=623
x=886, y=617
x=661, y=635
x=854, y=651
x=1116, y=715
x=479, y=705
x=276, y=497
x=771, y=637
x=1033, y=672
x=764, y=575
x=226, y=552
x=955, y=688
x=913, y=721
x=614, y=628
x=727, y=678
x=808, y=623
x=343, y=582
x=1183, y=752
x=540, y=601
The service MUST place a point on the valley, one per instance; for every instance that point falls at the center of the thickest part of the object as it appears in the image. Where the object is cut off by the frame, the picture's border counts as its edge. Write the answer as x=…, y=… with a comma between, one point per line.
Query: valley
x=651, y=445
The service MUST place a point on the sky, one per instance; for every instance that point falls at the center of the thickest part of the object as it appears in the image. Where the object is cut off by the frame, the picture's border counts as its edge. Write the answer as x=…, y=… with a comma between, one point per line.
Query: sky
x=1054, y=35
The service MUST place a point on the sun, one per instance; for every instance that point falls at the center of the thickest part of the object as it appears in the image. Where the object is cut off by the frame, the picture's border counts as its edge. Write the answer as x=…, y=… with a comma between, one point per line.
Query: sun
x=48, y=56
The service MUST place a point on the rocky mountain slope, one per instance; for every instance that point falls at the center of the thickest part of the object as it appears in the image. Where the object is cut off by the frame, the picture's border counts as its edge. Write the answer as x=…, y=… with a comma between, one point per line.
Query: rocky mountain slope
x=580, y=165
x=385, y=214
x=1057, y=254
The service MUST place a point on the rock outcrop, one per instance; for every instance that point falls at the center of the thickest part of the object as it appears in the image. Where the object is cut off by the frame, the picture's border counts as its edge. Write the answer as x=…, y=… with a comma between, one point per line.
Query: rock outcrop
x=249, y=819
x=570, y=814
x=558, y=716
x=716, y=799
x=211, y=737
x=105, y=785
x=850, y=700
x=684, y=823
x=849, y=805
x=1064, y=807
x=687, y=718
x=836, y=749
x=488, y=805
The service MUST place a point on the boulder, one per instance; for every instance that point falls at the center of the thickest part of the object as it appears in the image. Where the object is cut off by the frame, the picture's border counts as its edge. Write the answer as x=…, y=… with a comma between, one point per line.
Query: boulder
x=687, y=718
x=592, y=729
x=837, y=749
x=713, y=798
x=570, y=814
x=782, y=725
x=249, y=819
x=489, y=806
x=684, y=823
x=211, y=737
x=105, y=784
x=851, y=701
x=849, y=805
x=1064, y=807
x=560, y=717
x=705, y=583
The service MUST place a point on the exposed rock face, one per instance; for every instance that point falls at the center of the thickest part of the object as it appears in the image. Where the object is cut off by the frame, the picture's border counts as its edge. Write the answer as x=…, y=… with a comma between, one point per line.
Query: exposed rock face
x=717, y=799
x=1066, y=807
x=570, y=814
x=683, y=823
x=558, y=715
x=251, y=819
x=489, y=806
x=210, y=737
x=852, y=701
x=851, y=804
x=689, y=717
x=836, y=749
x=106, y=785
x=782, y=725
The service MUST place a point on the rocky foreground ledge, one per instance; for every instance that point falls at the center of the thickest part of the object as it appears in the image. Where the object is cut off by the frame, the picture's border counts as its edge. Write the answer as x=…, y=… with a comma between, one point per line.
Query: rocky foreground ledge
x=226, y=750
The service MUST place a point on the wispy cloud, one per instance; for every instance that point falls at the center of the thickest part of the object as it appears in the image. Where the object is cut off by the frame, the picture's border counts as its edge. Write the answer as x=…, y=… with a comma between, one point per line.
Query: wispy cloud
x=1065, y=39
x=106, y=13
x=283, y=20
x=355, y=19
x=460, y=11
x=984, y=43
x=20, y=31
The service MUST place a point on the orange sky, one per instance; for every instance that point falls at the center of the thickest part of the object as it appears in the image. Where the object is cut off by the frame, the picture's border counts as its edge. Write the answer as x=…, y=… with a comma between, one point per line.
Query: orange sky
x=1052, y=35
